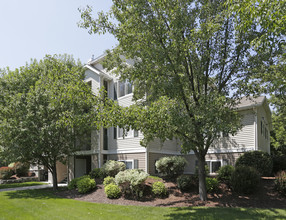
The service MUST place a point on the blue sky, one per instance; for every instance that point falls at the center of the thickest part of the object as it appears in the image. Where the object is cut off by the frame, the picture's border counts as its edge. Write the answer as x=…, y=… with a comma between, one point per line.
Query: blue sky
x=33, y=28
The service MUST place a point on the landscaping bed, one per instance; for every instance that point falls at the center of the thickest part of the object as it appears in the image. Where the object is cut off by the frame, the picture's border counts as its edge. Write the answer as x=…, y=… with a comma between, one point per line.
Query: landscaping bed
x=265, y=197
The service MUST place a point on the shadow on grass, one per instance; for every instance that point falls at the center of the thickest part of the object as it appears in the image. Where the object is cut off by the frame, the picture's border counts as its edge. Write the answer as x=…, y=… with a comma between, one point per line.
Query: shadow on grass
x=32, y=194
x=224, y=213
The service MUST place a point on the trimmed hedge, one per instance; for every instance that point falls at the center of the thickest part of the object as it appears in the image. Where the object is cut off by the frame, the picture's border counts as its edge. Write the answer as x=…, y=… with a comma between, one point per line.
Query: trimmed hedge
x=171, y=167
x=108, y=180
x=245, y=179
x=211, y=185
x=159, y=189
x=131, y=182
x=259, y=160
x=73, y=183
x=224, y=173
x=112, y=191
x=86, y=185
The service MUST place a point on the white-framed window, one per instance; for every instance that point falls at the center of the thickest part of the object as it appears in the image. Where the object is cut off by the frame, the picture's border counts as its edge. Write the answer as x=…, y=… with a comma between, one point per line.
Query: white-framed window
x=130, y=164
x=122, y=88
x=214, y=165
x=129, y=134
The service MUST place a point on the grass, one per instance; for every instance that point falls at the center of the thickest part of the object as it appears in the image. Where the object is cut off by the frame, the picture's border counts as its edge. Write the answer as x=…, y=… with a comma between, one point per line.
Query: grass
x=44, y=204
x=16, y=185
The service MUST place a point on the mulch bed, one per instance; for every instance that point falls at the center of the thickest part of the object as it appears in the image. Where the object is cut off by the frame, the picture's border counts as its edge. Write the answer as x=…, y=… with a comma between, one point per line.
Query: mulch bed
x=265, y=197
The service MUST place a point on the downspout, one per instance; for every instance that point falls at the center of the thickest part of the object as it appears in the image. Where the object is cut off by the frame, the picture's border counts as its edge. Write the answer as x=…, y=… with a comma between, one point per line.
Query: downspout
x=255, y=130
x=147, y=160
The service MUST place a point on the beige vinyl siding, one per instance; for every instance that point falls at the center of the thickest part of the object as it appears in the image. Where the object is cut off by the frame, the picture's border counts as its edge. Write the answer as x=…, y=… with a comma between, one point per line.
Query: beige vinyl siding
x=244, y=138
x=126, y=100
x=263, y=143
x=135, y=156
x=167, y=146
x=94, y=78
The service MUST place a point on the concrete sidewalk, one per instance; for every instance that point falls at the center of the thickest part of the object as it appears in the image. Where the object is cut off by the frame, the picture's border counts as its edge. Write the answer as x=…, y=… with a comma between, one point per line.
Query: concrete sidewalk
x=49, y=185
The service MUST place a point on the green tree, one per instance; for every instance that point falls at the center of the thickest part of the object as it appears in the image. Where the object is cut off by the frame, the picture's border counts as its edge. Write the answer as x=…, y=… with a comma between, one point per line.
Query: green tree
x=188, y=64
x=268, y=62
x=44, y=111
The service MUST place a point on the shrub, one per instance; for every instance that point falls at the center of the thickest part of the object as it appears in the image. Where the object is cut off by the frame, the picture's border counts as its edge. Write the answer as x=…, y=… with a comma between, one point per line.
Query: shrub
x=224, y=173
x=131, y=182
x=97, y=173
x=85, y=185
x=245, y=179
x=280, y=182
x=279, y=163
x=108, y=180
x=159, y=189
x=112, y=191
x=73, y=183
x=207, y=171
x=171, y=167
x=155, y=178
x=6, y=172
x=261, y=161
x=112, y=167
x=211, y=185
x=185, y=183
x=21, y=169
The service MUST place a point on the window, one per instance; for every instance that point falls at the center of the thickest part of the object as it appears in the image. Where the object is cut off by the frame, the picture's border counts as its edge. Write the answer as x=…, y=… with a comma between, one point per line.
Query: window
x=124, y=88
x=115, y=91
x=136, y=133
x=105, y=139
x=214, y=165
x=130, y=164
x=120, y=132
x=89, y=83
x=129, y=87
x=115, y=133
x=121, y=88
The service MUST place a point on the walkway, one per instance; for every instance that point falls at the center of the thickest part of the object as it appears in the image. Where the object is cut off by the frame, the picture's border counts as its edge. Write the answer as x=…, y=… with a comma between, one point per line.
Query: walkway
x=49, y=185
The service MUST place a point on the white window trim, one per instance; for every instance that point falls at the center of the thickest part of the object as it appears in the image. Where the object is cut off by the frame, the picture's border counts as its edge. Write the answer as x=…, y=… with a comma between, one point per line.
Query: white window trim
x=127, y=137
x=221, y=163
x=133, y=163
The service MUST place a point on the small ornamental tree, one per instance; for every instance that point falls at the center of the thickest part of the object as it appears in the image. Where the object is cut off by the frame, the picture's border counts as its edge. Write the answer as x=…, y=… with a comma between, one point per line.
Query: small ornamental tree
x=44, y=110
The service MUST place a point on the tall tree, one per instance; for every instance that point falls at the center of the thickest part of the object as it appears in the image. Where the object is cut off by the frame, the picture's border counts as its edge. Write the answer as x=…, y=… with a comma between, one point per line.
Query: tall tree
x=188, y=63
x=44, y=110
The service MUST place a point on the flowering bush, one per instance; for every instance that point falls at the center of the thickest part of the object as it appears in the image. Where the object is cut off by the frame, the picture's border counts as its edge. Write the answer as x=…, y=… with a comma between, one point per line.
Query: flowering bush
x=171, y=167
x=131, y=182
x=112, y=167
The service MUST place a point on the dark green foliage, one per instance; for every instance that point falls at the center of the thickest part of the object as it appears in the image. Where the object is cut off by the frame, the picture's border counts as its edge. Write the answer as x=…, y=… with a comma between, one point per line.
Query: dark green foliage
x=73, y=183
x=280, y=182
x=86, y=185
x=186, y=183
x=224, y=173
x=112, y=191
x=159, y=189
x=155, y=178
x=6, y=172
x=108, y=180
x=212, y=185
x=261, y=161
x=171, y=167
x=21, y=169
x=112, y=167
x=97, y=173
x=279, y=163
x=245, y=179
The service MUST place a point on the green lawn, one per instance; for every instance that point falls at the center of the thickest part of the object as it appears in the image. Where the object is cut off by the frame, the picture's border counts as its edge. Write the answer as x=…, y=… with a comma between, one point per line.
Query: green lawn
x=43, y=204
x=16, y=185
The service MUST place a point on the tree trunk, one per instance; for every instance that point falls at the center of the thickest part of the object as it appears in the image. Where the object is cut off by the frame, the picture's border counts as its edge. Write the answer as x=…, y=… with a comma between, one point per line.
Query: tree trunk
x=55, y=178
x=202, y=178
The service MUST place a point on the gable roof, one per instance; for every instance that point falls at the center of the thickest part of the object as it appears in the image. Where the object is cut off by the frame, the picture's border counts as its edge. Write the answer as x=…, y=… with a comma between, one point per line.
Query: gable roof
x=247, y=102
